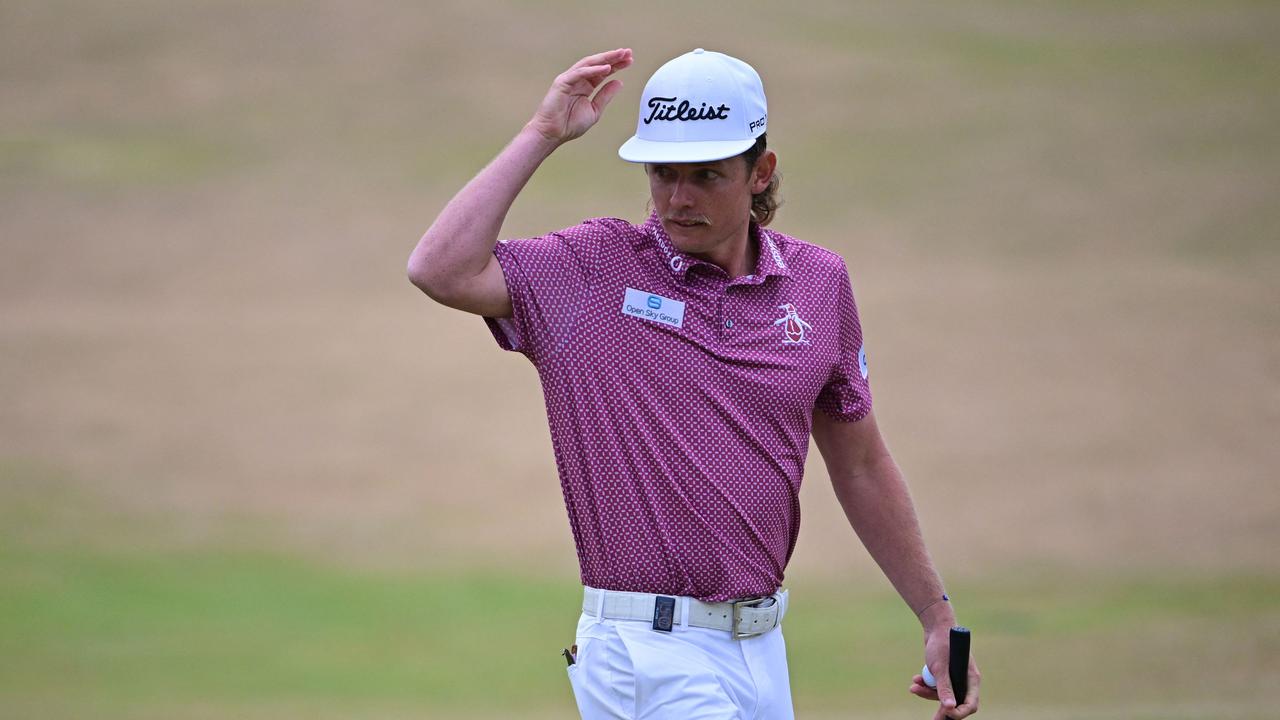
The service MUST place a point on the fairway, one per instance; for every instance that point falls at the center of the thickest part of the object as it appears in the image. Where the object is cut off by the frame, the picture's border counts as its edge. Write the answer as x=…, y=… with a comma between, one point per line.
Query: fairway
x=150, y=632
x=247, y=470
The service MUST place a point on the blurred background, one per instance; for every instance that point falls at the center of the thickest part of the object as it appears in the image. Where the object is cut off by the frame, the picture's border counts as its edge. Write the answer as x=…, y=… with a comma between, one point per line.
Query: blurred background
x=247, y=470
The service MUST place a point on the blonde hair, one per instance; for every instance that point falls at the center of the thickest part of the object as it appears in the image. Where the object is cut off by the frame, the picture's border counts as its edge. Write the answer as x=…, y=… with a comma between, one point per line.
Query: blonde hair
x=764, y=204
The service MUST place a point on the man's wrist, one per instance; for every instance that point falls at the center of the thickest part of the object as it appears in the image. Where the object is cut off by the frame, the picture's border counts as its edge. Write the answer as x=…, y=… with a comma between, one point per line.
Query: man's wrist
x=937, y=613
x=538, y=139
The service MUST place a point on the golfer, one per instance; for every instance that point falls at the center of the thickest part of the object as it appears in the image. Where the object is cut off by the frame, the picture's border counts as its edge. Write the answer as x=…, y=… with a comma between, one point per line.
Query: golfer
x=685, y=362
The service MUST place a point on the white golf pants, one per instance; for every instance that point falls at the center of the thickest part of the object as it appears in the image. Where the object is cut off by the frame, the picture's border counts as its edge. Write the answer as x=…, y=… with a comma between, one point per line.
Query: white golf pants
x=626, y=669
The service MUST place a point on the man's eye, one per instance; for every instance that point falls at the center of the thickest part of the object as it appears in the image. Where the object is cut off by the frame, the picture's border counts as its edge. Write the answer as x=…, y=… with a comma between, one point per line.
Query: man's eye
x=710, y=174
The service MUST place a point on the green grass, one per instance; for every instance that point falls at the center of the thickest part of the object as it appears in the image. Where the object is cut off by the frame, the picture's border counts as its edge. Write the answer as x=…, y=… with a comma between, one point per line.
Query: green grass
x=235, y=629
x=1074, y=644
x=141, y=633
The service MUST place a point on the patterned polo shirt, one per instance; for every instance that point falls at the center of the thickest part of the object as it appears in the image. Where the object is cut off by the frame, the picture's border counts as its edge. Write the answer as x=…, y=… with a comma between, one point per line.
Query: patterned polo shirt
x=680, y=400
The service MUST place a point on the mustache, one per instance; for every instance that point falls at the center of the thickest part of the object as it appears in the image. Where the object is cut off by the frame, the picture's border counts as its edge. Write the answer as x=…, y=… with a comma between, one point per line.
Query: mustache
x=700, y=219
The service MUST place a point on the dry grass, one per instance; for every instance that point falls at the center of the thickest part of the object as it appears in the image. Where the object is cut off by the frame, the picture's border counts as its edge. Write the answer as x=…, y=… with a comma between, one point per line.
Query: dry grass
x=1061, y=219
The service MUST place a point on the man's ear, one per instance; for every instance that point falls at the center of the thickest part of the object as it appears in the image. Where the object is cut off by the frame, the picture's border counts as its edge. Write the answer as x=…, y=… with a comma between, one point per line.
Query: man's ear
x=762, y=173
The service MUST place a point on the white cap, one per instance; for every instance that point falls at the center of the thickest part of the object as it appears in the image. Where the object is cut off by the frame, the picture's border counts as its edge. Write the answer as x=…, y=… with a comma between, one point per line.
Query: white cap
x=700, y=107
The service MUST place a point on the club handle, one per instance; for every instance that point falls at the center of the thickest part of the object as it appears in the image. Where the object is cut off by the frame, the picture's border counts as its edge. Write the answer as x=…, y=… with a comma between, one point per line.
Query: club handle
x=958, y=663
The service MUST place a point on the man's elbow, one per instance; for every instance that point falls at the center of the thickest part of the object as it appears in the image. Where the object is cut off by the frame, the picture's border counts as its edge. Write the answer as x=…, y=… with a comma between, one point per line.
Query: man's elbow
x=449, y=288
x=427, y=278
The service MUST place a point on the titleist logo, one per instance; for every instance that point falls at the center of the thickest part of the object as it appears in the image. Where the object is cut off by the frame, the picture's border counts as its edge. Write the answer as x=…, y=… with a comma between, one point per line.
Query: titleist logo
x=666, y=108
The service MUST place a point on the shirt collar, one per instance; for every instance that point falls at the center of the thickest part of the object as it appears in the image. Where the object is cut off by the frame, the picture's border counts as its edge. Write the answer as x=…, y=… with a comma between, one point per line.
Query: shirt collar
x=769, y=260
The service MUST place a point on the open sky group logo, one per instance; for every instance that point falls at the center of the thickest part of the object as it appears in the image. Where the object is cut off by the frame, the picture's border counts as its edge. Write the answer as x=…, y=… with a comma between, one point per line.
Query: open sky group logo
x=652, y=307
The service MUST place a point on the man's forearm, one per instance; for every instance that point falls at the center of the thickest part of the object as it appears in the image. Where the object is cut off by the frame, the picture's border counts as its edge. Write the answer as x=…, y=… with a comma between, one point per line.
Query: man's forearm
x=878, y=505
x=460, y=242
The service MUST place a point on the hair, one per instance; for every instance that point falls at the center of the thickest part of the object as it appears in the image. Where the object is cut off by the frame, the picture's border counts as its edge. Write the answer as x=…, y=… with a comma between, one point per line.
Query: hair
x=764, y=204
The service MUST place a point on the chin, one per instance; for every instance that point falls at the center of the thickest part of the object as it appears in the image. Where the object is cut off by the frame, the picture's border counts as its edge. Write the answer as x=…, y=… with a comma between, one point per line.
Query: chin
x=688, y=240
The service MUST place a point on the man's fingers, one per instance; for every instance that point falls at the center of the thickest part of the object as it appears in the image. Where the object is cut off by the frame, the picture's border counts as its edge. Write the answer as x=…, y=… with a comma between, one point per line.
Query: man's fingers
x=922, y=690
x=970, y=704
x=620, y=58
x=606, y=94
x=593, y=74
x=602, y=58
x=945, y=693
x=946, y=696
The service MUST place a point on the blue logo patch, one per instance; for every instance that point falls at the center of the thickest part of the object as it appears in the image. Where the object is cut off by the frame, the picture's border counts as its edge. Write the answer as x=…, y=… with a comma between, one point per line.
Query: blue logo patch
x=654, y=308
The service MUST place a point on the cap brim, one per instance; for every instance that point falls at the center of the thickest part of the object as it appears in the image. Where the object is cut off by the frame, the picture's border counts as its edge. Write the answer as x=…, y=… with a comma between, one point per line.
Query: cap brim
x=649, y=151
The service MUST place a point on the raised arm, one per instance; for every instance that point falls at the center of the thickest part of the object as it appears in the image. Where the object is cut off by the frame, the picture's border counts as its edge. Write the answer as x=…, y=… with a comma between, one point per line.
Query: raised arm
x=874, y=495
x=453, y=262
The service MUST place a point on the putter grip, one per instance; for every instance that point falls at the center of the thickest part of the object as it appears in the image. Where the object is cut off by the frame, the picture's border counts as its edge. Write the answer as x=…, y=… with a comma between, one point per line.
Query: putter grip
x=959, y=662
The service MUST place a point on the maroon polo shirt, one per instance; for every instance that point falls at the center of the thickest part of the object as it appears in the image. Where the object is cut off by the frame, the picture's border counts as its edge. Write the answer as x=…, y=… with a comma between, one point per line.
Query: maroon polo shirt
x=680, y=400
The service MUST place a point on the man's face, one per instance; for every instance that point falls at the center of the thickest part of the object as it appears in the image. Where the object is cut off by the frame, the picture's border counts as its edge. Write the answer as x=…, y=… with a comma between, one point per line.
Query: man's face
x=704, y=205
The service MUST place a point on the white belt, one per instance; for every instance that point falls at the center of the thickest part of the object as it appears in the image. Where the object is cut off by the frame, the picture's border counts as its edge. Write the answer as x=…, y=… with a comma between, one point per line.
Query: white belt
x=742, y=618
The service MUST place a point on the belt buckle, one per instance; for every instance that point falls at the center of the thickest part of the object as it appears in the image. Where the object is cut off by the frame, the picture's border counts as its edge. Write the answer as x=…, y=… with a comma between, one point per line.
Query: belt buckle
x=736, y=608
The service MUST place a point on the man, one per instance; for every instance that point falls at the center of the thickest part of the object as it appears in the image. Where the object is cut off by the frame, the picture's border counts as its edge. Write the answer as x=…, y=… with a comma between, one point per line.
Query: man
x=685, y=363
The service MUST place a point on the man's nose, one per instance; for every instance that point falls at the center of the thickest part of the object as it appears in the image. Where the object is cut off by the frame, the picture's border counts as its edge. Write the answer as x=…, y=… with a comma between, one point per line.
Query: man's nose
x=681, y=195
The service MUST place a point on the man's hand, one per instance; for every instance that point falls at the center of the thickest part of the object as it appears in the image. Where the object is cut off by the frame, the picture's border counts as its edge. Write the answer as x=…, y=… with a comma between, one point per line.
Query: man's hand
x=936, y=653
x=568, y=110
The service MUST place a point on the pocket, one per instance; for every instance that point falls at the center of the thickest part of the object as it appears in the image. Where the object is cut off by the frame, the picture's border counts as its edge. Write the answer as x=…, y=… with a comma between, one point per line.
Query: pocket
x=588, y=632
x=581, y=646
x=578, y=682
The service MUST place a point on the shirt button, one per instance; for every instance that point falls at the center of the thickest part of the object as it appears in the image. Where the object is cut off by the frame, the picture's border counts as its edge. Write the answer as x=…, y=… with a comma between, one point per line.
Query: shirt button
x=728, y=324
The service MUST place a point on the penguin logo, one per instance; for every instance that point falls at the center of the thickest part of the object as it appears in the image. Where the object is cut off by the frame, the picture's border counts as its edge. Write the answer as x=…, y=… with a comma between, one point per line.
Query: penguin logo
x=793, y=328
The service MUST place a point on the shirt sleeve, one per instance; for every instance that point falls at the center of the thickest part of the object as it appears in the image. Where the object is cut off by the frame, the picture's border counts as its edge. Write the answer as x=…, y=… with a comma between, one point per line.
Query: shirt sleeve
x=547, y=278
x=847, y=394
